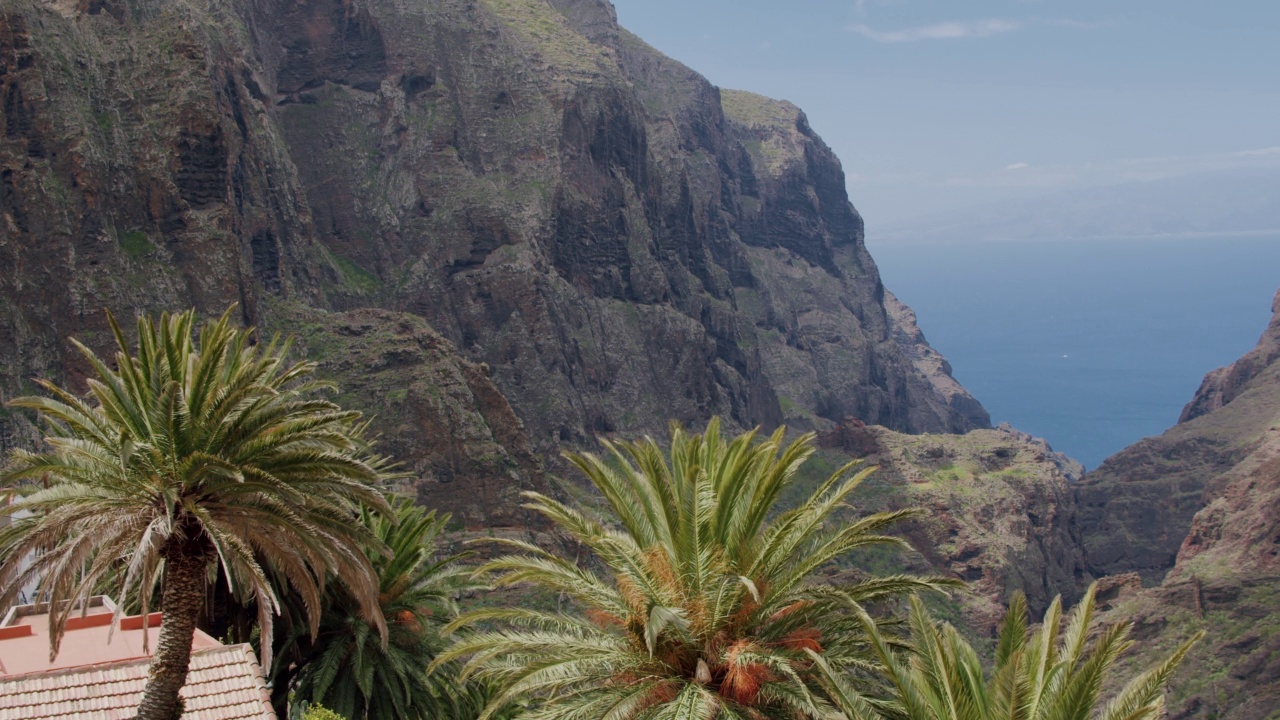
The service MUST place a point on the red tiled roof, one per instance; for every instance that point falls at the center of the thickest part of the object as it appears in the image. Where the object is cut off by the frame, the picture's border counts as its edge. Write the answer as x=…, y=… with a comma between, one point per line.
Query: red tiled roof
x=224, y=683
x=90, y=640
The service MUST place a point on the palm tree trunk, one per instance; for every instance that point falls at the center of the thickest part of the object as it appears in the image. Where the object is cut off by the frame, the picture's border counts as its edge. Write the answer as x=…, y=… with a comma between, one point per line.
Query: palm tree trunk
x=183, y=597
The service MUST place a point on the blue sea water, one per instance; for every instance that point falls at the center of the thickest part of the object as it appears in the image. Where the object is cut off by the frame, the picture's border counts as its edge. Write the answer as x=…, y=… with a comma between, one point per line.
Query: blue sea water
x=1091, y=344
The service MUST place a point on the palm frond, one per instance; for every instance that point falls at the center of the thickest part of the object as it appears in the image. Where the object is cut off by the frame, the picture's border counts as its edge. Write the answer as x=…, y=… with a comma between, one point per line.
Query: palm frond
x=705, y=610
x=207, y=446
x=1037, y=677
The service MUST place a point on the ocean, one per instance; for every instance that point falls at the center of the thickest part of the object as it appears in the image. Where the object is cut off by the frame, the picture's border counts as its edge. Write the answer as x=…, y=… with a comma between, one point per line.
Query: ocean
x=1090, y=344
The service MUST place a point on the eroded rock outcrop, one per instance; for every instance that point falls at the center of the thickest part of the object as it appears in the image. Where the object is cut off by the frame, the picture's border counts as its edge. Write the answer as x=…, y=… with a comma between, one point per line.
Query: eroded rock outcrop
x=932, y=365
x=1223, y=385
x=1138, y=506
x=998, y=511
x=454, y=437
x=1224, y=574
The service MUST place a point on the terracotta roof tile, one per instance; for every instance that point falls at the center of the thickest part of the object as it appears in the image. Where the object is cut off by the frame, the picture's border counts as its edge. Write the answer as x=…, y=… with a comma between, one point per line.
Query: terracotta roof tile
x=224, y=683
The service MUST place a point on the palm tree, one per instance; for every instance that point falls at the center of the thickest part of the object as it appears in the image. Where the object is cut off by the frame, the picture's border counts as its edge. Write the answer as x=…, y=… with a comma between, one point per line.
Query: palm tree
x=709, y=608
x=188, y=458
x=348, y=669
x=1047, y=675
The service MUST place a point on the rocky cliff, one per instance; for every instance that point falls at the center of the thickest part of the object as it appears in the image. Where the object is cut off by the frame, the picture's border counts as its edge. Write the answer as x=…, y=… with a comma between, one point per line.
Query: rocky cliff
x=453, y=434
x=1138, y=506
x=999, y=511
x=1217, y=505
x=617, y=240
x=1223, y=385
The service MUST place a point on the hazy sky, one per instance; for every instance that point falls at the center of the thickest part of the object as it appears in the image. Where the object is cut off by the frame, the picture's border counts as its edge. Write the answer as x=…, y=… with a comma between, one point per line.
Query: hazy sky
x=934, y=104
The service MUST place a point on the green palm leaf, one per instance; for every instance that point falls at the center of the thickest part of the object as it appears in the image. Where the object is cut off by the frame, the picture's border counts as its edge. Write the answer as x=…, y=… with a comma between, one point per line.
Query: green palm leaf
x=1040, y=677
x=348, y=669
x=707, y=608
x=188, y=456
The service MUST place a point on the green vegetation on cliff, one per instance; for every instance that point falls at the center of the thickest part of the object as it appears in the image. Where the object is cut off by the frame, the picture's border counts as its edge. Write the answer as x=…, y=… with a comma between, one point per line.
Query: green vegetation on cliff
x=719, y=595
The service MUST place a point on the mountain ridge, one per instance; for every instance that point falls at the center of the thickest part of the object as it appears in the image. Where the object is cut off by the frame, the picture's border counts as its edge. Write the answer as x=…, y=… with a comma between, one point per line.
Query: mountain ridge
x=558, y=201
x=1139, y=505
x=1216, y=563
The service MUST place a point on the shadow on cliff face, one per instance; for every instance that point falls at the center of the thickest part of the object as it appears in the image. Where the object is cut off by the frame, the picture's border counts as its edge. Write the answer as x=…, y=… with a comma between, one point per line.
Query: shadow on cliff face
x=567, y=206
x=328, y=41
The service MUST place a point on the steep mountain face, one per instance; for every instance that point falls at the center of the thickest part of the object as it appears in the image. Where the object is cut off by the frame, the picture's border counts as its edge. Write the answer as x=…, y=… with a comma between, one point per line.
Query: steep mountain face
x=590, y=218
x=1225, y=574
x=1138, y=506
x=1240, y=523
x=618, y=241
x=998, y=511
x=1222, y=386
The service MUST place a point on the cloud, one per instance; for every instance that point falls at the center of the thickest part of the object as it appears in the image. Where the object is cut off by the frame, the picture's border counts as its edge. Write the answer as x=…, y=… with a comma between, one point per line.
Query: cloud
x=1077, y=24
x=939, y=31
x=1016, y=166
x=1173, y=165
x=957, y=29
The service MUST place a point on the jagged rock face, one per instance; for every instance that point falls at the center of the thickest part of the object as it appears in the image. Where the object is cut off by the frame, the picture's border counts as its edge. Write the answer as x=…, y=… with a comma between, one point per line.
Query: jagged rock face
x=456, y=440
x=933, y=365
x=1223, y=385
x=1225, y=574
x=1137, y=507
x=590, y=218
x=998, y=512
x=145, y=170
x=620, y=242
x=139, y=172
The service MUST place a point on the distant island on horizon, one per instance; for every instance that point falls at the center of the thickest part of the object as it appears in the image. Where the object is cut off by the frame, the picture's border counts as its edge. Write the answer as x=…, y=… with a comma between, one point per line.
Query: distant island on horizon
x=1086, y=342
x=1222, y=204
x=879, y=242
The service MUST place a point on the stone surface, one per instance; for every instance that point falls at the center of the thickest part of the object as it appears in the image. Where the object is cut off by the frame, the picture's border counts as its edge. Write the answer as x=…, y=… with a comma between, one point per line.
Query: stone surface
x=1223, y=460
x=452, y=433
x=620, y=242
x=999, y=511
x=1138, y=506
